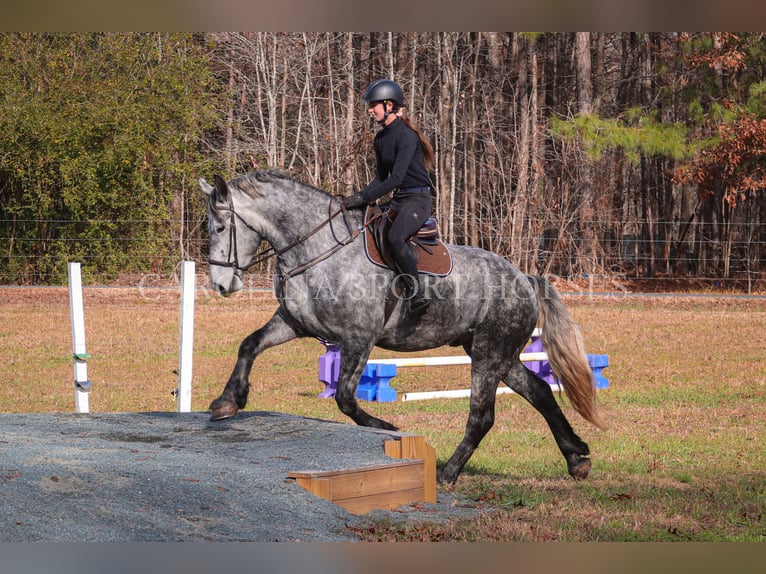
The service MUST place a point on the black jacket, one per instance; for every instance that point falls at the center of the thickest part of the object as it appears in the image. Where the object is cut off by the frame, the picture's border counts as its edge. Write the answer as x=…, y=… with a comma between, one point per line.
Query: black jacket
x=400, y=163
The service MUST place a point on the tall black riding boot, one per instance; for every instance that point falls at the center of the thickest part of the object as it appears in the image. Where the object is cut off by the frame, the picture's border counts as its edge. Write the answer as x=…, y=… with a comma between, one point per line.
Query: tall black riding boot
x=416, y=300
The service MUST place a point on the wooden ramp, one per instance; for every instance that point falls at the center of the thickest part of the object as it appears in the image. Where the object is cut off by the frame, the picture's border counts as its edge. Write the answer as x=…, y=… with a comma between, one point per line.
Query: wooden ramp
x=386, y=486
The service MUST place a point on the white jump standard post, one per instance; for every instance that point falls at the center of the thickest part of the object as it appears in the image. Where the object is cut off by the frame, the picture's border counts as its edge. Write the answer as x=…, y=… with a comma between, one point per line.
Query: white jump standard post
x=81, y=382
x=186, y=338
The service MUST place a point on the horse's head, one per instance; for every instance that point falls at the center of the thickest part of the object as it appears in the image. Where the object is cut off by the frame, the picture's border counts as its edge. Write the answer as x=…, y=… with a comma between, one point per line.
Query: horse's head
x=233, y=242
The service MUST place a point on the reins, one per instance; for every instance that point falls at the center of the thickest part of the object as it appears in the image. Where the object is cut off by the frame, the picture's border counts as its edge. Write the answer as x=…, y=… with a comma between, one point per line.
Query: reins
x=271, y=252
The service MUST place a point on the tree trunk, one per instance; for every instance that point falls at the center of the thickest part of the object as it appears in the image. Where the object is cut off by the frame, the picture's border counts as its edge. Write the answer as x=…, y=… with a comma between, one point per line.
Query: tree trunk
x=448, y=90
x=470, y=179
x=229, y=141
x=348, y=125
x=521, y=167
x=587, y=223
x=536, y=158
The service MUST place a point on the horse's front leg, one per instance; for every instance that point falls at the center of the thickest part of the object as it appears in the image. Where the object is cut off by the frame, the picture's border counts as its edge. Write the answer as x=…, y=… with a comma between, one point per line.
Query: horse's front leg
x=234, y=395
x=481, y=418
x=352, y=362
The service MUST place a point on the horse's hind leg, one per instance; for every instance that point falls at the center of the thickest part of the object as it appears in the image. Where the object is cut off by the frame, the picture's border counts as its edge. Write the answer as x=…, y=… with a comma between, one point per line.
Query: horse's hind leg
x=484, y=381
x=539, y=394
x=234, y=395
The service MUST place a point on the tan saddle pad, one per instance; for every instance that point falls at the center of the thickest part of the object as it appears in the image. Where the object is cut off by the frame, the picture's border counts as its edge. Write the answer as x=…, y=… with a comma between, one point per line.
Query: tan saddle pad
x=431, y=253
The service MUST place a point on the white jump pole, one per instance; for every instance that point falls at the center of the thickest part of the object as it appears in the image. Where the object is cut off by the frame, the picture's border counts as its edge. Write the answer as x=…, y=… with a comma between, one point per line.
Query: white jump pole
x=457, y=394
x=79, y=356
x=455, y=360
x=186, y=338
x=445, y=361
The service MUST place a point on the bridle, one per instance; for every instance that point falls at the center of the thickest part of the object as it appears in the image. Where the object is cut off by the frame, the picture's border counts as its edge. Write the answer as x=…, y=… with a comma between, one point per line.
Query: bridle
x=232, y=258
x=233, y=262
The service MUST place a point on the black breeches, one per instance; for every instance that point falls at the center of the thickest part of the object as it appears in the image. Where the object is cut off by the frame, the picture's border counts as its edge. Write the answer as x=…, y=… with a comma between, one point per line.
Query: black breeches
x=412, y=212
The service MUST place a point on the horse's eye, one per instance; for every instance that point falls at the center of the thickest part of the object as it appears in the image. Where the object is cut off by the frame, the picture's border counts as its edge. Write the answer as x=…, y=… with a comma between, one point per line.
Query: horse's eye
x=219, y=228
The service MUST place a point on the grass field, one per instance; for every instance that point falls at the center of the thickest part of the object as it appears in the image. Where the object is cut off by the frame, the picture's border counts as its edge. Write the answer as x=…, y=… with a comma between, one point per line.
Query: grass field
x=683, y=459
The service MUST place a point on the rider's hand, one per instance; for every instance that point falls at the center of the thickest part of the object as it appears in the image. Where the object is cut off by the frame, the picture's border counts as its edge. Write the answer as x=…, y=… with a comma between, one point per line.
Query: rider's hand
x=354, y=201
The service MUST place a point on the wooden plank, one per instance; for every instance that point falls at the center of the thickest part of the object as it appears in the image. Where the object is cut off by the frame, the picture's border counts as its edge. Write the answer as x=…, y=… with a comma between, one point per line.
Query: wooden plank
x=387, y=501
x=318, y=486
x=415, y=447
x=382, y=480
x=363, y=489
x=331, y=473
x=393, y=448
x=359, y=490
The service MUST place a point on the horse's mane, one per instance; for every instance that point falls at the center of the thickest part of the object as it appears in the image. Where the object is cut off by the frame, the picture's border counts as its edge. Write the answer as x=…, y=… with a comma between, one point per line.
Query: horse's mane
x=250, y=182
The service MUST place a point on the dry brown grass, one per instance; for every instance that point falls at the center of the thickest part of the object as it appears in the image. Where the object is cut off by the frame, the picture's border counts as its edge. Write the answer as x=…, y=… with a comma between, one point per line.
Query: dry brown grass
x=683, y=458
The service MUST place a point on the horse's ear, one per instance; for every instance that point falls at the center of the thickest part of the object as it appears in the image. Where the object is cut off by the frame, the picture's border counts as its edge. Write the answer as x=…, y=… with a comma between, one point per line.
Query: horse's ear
x=221, y=188
x=206, y=188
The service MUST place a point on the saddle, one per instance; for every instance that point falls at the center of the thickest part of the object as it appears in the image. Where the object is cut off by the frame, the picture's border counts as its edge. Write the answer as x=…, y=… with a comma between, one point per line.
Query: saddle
x=432, y=255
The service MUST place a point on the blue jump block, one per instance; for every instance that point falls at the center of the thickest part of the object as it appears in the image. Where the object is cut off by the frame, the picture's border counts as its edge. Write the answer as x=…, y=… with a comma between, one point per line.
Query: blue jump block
x=374, y=385
x=597, y=364
x=543, y=368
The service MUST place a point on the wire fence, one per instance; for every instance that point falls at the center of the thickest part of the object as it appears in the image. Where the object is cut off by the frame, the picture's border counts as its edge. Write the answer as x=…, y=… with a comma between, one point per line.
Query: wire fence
x=733, y=257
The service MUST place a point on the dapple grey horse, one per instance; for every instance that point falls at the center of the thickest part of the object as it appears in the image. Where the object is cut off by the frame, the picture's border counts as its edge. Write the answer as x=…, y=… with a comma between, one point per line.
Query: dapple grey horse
x=328, y=289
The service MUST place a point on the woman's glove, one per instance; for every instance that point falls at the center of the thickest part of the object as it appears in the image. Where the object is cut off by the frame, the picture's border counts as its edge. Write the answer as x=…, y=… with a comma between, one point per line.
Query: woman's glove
x=354, y=201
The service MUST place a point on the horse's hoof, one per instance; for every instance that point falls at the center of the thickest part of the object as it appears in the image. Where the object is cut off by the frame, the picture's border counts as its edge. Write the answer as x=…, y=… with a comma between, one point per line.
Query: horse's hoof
x=444, y=478
x=581, y=469
x=223, y=412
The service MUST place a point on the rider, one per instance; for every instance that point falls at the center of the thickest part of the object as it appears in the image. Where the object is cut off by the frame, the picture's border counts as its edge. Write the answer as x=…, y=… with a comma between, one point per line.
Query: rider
x=403, y=157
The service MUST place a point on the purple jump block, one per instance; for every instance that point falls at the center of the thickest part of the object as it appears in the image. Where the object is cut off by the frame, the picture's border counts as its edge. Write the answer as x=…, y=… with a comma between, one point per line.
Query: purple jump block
x=329, y=367
x=374, y=384
x=540, y=368
x=543, y=368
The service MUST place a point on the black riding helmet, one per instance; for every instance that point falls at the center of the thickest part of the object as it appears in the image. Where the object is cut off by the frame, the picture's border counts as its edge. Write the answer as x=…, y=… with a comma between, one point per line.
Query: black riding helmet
x=382, y=91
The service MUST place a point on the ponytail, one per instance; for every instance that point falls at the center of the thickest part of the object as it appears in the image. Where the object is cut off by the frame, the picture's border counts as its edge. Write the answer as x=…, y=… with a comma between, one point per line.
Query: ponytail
x=429, y=158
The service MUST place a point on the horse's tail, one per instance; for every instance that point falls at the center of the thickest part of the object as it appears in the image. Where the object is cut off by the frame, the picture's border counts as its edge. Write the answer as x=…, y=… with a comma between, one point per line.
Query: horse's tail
x=564, y=345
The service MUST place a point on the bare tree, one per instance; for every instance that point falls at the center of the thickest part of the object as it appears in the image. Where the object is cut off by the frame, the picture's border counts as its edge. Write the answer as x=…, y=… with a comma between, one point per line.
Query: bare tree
x=585, y=107
x=486, y=100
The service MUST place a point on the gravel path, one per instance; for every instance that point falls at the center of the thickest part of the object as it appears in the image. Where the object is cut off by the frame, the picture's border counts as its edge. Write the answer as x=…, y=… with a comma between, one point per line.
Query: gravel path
x=177, y=477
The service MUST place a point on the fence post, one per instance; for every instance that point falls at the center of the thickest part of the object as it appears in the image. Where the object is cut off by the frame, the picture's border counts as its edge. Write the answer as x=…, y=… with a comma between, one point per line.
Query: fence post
x=79, y=356
x=186, y=338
